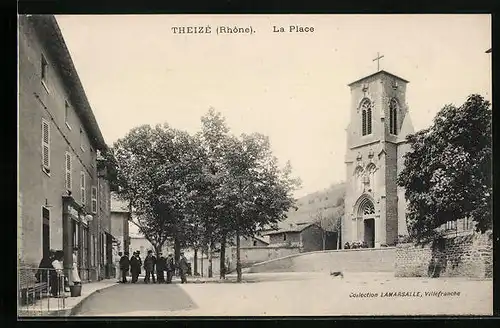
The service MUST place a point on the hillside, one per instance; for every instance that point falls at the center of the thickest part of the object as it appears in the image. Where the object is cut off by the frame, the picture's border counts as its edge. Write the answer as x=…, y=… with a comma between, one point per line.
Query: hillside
x=329, y=201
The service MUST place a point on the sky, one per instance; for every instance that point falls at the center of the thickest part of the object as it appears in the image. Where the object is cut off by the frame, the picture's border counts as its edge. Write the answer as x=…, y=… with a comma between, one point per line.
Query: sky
x=291, y=87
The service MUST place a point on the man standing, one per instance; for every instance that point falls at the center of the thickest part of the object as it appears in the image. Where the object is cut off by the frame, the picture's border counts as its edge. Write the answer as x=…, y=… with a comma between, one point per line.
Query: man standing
x=161, y=265
x=124, y=266
x=183, y=268
x=135, y=267
x=170, y=268
x=149, y=266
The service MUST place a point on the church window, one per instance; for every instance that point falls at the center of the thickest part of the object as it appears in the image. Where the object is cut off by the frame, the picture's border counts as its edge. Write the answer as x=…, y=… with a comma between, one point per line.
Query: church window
x=393, y=116
x=366, y=208
x=366, y=117
x=369, y=120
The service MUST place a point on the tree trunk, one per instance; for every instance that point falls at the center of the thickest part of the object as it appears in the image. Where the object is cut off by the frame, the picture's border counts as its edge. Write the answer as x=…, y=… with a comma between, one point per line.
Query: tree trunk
x=195, y=264
x=157, y=249
x=324, y=239
x=223, y=257
x=238, y=261
x=210, y=274
x=202, y=259
x=177, y=249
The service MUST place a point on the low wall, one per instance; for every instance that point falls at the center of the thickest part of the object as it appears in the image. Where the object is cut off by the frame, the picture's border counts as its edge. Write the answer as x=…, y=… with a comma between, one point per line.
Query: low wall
x=468, y=255
x=257, y=254
x=348, y=260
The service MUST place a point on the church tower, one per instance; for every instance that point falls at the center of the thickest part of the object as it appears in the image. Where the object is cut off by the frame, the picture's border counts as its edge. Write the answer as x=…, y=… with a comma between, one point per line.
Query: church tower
x=374, y=205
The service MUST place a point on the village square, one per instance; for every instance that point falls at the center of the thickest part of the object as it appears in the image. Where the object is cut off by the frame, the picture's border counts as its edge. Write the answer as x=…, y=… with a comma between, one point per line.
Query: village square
x=175, y=218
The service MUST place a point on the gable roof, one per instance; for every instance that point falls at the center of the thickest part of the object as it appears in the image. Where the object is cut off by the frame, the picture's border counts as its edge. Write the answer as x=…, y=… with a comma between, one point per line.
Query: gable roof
x=376, y=73
x=298, y=227
x=261, y=240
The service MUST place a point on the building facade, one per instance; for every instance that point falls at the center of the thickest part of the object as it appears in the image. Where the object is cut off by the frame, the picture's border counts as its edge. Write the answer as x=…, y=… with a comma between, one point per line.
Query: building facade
x=375, y=206
x=63, y=196
x=120, y=217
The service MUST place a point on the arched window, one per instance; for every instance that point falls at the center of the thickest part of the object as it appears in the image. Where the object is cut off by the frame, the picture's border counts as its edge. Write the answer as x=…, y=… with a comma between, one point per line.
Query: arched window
x=366, y=117
x=366, y=208
x=393, y=116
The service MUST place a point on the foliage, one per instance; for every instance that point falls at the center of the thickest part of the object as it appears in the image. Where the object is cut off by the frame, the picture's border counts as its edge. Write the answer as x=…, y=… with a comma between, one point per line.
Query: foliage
x=248, y=189
x=327, y=220
x=355, y=244
x=107, y=162
x=447, y=172
x=158, y=172
x=201, y=189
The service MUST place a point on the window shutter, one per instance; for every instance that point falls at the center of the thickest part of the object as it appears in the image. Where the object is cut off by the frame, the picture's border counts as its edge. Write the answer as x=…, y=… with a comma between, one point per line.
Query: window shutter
x=82, y=187
x=68, y=171
x=45, y=144
x=94, y=200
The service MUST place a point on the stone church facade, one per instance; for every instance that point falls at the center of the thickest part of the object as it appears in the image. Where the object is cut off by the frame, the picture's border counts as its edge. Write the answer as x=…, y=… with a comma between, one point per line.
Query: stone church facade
x=376, y=143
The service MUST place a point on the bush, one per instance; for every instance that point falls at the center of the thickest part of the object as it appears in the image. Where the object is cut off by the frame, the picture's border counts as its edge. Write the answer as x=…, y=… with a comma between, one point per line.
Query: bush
x=356, y=244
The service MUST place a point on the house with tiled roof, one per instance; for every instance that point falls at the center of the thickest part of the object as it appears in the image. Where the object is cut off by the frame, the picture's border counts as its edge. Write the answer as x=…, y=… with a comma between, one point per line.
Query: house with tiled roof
x=308, y=236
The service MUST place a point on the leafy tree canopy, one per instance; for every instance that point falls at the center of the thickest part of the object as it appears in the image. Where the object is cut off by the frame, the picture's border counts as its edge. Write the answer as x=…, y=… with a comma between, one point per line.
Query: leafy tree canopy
x=447, y=174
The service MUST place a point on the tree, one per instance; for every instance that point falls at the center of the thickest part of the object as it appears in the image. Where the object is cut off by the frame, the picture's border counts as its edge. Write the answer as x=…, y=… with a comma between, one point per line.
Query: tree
x=107, y=163
x=256, y=192
x=327, y=221
x=447, y=174
x=158, y=171
x=214, y=137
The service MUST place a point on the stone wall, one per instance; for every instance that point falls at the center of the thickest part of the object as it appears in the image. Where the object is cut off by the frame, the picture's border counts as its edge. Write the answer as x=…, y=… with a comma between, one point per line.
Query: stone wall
x=464, y=255
x=348, y=260
x=252, y=255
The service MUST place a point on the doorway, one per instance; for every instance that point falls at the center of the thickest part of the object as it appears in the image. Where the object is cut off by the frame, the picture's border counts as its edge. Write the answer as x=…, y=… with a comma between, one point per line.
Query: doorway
x=45, y=232
x=366, y=215
x=369, y=225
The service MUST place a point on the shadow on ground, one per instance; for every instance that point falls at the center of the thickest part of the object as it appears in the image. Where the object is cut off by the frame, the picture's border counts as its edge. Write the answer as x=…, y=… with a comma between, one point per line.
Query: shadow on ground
x=134, y=298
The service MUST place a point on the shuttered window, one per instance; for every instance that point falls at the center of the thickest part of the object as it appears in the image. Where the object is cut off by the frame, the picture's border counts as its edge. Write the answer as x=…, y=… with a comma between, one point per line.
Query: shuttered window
x=68, y=171
x=46, y=145
x=94, y=199
x=82, y=187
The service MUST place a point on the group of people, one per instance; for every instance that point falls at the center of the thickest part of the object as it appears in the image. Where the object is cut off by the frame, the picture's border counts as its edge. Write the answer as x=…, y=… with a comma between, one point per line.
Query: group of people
x=152, y=265
x=51, y=271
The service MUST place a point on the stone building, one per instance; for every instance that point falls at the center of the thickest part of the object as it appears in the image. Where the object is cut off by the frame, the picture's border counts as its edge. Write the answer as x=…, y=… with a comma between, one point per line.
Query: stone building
x=308, y=237
x=374, y=205
x=63, y=195
x=120, y=217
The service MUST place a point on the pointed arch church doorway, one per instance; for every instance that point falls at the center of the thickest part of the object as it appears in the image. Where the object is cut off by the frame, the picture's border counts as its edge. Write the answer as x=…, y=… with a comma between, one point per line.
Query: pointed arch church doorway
x=366, y=213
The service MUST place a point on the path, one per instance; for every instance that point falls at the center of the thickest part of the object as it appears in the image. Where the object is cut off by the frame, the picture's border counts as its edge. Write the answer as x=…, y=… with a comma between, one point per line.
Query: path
x=319, y=295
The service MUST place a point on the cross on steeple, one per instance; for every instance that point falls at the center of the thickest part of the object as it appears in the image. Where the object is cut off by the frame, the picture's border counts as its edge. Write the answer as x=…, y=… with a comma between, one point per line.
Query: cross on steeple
x=378, y=61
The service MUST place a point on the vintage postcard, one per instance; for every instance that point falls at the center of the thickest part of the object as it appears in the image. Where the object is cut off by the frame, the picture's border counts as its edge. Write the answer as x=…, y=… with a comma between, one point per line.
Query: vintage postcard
x=254, y=165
